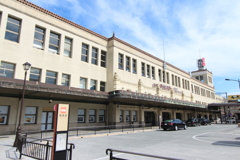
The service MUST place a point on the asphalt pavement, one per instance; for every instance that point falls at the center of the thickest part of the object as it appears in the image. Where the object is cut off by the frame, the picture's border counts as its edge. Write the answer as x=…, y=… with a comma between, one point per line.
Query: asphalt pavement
x=212, y=142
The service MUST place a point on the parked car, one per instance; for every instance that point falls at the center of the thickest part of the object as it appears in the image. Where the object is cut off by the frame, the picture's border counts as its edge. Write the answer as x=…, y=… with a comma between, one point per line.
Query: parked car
x=173, y=124
x=204, y=121
x=193, y=122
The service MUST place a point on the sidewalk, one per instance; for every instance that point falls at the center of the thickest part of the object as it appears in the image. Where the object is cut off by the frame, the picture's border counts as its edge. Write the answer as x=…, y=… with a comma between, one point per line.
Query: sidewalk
x=7, y=151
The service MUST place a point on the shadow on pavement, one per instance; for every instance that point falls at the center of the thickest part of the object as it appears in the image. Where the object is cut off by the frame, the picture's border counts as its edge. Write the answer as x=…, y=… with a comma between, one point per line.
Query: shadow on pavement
x=227, y=143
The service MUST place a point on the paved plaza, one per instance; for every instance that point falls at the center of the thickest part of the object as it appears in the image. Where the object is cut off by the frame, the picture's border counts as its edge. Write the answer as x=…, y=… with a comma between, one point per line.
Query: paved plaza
x=214, y=142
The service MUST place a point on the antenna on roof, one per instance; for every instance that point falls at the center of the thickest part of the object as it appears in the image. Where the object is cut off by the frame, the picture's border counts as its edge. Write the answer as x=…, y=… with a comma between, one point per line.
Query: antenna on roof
x=113, y=34
x=164, y=63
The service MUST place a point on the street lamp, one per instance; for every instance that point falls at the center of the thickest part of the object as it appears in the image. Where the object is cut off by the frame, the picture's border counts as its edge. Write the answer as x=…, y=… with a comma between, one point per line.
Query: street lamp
x=234, y=80
x=26, y=67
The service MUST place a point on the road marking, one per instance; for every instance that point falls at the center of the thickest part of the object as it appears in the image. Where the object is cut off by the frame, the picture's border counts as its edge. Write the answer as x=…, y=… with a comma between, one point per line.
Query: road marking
x=194, y=137
x=221, y=143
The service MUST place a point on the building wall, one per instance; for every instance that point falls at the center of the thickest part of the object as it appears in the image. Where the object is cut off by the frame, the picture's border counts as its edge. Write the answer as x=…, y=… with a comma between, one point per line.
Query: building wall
x=23, y=51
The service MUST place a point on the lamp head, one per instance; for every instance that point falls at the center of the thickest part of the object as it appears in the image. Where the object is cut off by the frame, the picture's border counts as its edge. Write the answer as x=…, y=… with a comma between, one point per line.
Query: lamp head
x=26, y=66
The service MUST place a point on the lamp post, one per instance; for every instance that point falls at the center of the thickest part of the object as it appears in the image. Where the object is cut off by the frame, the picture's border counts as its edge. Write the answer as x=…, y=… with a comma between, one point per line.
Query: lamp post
x=234, y=80
x=26, y=67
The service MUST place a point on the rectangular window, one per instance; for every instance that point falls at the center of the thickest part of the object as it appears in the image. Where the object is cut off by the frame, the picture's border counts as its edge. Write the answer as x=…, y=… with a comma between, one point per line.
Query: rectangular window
x=81, y=115
x=4, y=114
x=54, y=43
x=167, y=78
x=68, y=47
x=30, y=115
x=176, y=81
x=160, y=75
x=134, y=66
x=209, y=79
x=163, y=78
x=92, y=116
x=84, y=56
x=121, y=116
x=201, y=79
x=35, y=74
x=13, y=29
x=153, y=73
x=83, y=83
x=101, y=115
x=65, y=80
x=39, y=38
x=94, y=56
x=120, y=61
x=51, y=77
x=148, y=71
x=143, y=69
x=102, y=86
x=172, y=79
x=7, y=70
x=179, y=82
x=127, y=116
x=183, y=84
x=128, y=64
x=134, y=116
x=103, y=58
x=93, y=84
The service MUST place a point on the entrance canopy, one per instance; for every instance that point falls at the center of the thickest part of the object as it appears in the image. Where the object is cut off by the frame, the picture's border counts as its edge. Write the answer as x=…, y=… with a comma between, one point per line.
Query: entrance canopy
x=215, y=106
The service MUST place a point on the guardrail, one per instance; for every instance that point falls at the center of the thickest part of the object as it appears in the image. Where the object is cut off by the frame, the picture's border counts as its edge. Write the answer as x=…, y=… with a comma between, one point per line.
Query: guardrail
x=92, y=130
x=111, y=157
x=38, y=150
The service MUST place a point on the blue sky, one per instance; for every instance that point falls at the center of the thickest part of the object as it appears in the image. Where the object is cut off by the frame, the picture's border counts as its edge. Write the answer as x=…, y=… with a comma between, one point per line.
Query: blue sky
x=190, y=29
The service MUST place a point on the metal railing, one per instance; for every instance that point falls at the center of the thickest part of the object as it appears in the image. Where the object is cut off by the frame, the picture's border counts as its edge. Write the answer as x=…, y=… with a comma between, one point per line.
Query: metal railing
x=91, y=130
x=39, y=150
x=111, y=157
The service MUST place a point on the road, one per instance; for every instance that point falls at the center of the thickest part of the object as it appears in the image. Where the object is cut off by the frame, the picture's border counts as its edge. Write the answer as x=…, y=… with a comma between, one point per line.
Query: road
x=213, y=142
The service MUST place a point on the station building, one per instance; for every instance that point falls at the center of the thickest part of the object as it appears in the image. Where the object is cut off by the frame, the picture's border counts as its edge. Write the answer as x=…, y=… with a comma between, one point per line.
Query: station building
x=105, y=81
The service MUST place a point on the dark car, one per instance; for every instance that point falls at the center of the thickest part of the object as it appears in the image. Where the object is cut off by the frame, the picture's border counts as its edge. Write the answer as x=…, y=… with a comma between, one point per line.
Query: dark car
x=204, y=121
x=193, y=122
x=173, y=124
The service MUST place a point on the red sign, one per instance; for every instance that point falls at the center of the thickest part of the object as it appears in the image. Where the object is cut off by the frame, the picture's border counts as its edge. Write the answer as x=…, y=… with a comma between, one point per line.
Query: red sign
x=55, y=107
x=203, y=62
x=63, y=110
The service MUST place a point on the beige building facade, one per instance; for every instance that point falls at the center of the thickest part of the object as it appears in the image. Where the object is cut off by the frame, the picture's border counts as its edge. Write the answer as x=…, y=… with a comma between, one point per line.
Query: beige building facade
x=106, y=81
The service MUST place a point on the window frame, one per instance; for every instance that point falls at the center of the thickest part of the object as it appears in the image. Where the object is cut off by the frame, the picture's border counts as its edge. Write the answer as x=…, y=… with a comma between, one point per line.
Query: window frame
x=134, y=66
x=143, y=69
x=4, y=114
x=65, y=80
x=35, y=74
x=102, y=86
x=84, y=52
x=92, y=115
x=68, y=44
x=120, y=61
x=128, y=64
x=39, y=40
x=52, y=38
x=103, y=58
x=85, y=86
x=48, y=77
x=9, y=33
x=93, y=84
x=7, y=70
x=101, y=116
x=94, y=56
x=81, y=115
x=30, y=118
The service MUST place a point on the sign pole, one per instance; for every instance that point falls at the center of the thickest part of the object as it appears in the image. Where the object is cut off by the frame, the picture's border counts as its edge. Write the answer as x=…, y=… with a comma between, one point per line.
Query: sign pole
x=60, y=134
